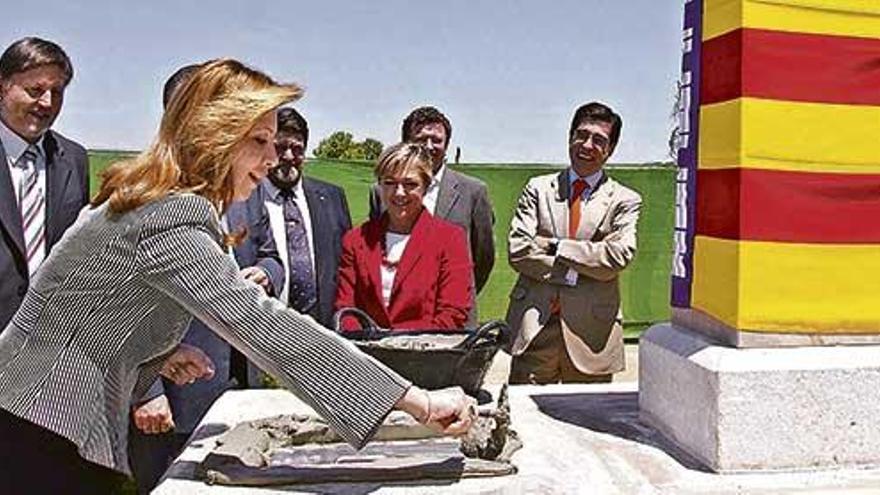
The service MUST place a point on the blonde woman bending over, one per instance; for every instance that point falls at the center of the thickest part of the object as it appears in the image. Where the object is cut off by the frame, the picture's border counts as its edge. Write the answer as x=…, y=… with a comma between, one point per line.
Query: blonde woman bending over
x=106, y=312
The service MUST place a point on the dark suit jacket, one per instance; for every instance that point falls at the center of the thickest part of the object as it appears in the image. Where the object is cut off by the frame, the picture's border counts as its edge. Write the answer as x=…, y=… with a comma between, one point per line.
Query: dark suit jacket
x=433, y=287
x=331, y=219
x=67, y=191
x=190, y=402
x=464, y=201
x=258, y=248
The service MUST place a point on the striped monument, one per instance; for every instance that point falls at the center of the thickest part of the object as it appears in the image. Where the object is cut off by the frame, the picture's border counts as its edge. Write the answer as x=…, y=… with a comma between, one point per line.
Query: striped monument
x=777, y=240
x=785, y=166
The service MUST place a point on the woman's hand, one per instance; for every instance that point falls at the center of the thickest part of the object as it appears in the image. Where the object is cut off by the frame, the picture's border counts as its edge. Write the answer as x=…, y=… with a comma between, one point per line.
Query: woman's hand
x=154, y=416
x=258, y=276
x=448, y=410
x=187, y=364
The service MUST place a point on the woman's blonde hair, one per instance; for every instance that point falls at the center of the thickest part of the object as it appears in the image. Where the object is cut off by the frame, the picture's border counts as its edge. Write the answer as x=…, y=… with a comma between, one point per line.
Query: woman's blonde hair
x=397, y=159
x=209, y=115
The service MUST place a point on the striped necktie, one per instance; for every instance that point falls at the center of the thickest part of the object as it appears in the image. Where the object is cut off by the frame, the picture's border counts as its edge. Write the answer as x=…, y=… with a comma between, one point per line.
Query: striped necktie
x=33, y=206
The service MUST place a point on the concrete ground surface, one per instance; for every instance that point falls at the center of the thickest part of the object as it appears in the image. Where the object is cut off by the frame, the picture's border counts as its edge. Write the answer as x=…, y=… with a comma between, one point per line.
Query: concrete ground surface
x=577, y=439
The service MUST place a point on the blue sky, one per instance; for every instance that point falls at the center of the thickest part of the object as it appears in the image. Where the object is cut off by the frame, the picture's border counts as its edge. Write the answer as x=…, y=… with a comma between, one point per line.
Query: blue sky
x=509, y=74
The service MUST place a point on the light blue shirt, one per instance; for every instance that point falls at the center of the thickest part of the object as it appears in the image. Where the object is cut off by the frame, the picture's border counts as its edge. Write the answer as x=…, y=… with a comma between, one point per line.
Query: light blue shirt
x=571, y=276
x=592, y=180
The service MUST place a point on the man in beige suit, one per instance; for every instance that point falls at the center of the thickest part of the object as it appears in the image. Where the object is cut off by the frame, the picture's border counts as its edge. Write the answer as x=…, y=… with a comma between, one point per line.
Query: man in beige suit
x=571, y=235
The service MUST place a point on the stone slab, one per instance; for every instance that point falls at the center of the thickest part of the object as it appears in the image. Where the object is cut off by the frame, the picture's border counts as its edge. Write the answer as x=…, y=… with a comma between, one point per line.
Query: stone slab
x=722, y=333
x=577, y=439
x=799, y=408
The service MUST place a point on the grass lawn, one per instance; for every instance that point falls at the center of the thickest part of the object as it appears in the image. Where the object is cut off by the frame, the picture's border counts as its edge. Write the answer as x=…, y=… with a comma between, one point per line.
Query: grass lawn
x=644, y=285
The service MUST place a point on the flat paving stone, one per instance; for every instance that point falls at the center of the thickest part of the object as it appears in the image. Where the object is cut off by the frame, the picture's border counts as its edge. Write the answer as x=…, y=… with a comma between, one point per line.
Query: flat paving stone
x=577, y=439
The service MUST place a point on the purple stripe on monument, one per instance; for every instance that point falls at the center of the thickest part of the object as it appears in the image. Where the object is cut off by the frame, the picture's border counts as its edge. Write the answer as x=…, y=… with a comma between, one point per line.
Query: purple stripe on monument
x=687, y=159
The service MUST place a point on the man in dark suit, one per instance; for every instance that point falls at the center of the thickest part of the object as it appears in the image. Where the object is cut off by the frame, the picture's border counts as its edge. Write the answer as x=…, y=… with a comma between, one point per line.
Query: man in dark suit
x=166, y=406
x=44, y=177
x=452, y=195
x=309, y=218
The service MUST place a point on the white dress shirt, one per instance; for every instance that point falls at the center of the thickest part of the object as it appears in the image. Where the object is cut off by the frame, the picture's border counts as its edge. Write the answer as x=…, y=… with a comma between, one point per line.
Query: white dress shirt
x=395, y=245
x=433, y=191
x=15, y=146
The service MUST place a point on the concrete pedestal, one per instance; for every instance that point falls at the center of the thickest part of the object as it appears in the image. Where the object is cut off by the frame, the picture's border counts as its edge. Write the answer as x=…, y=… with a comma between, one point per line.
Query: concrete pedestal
x=719, y=332
x=761, y=409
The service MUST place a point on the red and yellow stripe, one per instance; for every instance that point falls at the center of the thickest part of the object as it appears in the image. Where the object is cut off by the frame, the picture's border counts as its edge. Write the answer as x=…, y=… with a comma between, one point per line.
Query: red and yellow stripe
x=790, y=66
x=795, y=136
x=788, y=287
x=788, y=182
x=835, y=17
x=779, y=206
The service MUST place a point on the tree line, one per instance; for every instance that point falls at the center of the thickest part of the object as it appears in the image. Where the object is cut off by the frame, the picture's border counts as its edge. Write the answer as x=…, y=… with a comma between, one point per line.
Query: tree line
x=341, y=146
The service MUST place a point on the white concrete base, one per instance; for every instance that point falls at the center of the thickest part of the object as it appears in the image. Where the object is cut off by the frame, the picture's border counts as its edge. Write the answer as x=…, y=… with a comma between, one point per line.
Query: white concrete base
x=761, y=409
x=576, y=439
x=721, y=333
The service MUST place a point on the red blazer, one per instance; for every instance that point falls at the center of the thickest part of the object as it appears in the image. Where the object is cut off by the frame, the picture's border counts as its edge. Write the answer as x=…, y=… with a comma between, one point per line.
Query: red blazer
x=433, y=287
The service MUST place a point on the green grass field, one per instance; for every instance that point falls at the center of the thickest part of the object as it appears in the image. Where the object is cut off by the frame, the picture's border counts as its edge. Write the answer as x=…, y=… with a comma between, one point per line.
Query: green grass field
x=645, y=284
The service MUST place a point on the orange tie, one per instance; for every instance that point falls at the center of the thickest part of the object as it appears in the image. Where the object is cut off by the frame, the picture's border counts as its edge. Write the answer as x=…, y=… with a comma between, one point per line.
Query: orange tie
x=574, y=219
x=575, y=206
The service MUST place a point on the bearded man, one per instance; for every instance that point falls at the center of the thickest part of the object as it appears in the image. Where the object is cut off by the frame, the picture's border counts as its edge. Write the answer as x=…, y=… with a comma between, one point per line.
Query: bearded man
x=308, y=219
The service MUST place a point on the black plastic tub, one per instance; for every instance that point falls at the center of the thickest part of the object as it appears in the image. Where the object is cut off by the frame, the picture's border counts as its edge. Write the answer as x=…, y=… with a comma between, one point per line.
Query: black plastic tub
x=430, y=358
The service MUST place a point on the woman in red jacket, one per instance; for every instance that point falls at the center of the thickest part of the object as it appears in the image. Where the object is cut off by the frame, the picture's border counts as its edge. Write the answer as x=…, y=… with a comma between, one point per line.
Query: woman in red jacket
x=407, y=269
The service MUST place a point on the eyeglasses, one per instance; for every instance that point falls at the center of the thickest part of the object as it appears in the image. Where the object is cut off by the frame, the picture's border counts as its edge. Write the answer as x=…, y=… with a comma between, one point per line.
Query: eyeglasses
x=294, y=147
x=583, y=136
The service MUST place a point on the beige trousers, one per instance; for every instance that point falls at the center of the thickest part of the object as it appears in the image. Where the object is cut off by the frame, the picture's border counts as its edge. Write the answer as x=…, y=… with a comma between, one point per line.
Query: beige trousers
x=546, y=361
